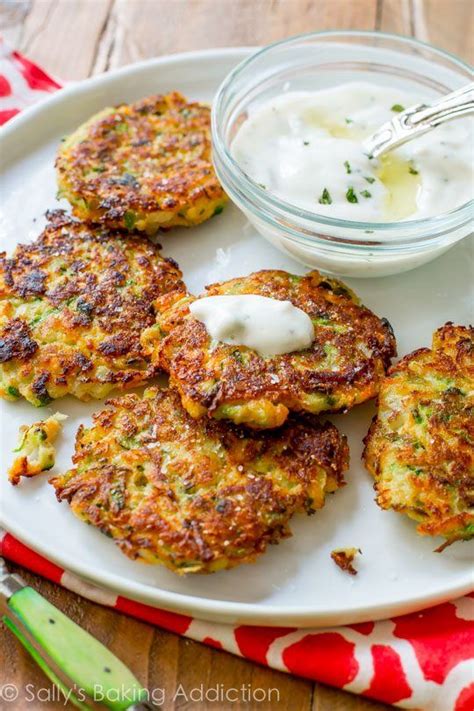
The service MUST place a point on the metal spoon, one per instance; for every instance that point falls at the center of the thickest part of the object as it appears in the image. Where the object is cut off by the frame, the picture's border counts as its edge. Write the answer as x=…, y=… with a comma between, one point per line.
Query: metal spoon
x=418, y=119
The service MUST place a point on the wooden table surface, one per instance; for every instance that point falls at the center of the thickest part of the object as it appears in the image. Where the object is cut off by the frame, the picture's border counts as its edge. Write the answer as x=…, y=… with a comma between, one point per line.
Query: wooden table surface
x=74, y=39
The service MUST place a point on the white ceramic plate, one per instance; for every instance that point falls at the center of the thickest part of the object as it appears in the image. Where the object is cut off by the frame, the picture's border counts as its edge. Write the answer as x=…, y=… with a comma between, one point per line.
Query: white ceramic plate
x=295, y=583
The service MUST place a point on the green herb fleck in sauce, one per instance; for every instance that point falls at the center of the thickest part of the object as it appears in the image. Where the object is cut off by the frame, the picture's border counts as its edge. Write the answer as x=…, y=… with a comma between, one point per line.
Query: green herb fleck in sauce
x=325, y=198
x=365, y=193
x=351, y=196
x=347, y=166
x=398, y=108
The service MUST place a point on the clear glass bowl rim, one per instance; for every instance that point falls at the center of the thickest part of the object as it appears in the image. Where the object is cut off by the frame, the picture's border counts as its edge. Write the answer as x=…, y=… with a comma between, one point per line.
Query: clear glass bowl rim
x=435, y=224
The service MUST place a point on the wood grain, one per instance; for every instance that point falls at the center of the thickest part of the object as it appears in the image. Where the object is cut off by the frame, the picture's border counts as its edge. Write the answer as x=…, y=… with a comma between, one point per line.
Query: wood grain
x=74, y=39
x=446, y=23
x=207, y=23
x=395, y=16
x=63, y=35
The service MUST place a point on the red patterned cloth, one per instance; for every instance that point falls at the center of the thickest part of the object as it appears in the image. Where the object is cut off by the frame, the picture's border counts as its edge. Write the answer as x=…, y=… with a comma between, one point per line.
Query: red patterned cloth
x=22, y=83
x=424, y=660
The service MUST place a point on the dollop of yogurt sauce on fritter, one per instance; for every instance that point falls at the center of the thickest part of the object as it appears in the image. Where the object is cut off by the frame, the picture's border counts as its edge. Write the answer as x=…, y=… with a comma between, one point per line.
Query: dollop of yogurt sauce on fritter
x=307, y=148
x=268, y=326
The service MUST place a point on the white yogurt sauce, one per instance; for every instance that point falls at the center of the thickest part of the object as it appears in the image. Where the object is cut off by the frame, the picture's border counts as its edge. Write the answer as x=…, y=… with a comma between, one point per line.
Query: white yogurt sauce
x=306, y=147
x=268, y=326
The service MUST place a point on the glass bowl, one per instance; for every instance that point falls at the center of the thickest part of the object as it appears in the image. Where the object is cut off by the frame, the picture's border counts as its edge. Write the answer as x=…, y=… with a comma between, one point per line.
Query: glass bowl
x=316, y=61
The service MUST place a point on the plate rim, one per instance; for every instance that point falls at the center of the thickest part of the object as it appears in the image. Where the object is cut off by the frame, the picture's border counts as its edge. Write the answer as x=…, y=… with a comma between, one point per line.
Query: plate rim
x=202, y=608
x=80, y=86
x=212, y=610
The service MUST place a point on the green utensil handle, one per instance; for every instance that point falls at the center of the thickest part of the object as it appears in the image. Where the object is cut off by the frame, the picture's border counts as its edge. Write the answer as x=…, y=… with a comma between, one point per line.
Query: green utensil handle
x=85, y=671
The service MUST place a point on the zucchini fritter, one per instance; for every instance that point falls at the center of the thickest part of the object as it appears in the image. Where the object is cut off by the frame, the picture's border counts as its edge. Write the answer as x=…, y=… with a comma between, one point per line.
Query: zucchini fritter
x=73, y=305
x=36, y=448
x=343, y=366
x=420, y=446
x=142, y=166
x=196, y=495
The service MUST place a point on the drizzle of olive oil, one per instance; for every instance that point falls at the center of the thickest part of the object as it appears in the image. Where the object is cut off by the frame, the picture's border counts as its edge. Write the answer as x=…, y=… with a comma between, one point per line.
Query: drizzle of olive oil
x=397, y=175
x=402, y=186
x=319, y=119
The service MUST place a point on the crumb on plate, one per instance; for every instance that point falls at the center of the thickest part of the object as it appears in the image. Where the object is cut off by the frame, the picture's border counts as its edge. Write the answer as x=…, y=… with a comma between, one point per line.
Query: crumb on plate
x=35, y=447
x=344, y=558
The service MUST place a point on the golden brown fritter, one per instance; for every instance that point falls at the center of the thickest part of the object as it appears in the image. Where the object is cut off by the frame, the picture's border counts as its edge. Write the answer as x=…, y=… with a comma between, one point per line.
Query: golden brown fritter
x=142, y=166
x=343, y=367
x=73, y=305
x=420, y=446
x=196, y=495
